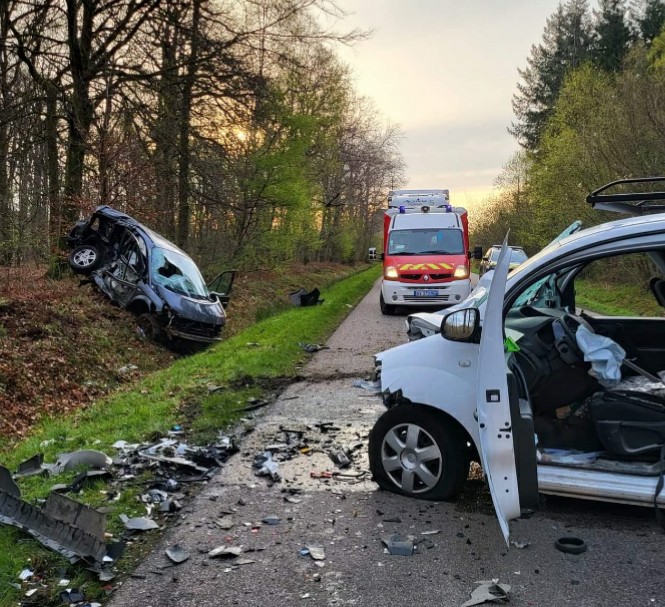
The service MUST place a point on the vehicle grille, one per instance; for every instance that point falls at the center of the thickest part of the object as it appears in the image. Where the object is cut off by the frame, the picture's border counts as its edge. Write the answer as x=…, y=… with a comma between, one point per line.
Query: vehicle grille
x=192, y=327
x=419, y=277
x=425, y=300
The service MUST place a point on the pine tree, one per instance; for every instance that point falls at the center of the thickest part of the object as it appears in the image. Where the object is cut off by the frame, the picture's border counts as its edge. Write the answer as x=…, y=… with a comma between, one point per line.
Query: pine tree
x=612, y=35
x=650, y=19
x=566, y=44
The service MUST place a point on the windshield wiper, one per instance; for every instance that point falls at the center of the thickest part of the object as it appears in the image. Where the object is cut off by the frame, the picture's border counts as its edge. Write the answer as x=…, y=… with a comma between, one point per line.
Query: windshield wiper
x=437, y=252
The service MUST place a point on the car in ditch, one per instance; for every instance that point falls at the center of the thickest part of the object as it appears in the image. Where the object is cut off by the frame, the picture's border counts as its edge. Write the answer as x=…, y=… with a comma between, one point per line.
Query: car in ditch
x=148, y=275
x=511, y=382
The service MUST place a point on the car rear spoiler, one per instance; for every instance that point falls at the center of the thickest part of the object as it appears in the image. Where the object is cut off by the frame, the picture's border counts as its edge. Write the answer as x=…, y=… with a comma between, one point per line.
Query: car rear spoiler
x=631, y=203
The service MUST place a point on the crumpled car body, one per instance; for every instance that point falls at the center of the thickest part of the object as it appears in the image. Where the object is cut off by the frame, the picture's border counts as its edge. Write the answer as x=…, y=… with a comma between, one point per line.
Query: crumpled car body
x=143, y=272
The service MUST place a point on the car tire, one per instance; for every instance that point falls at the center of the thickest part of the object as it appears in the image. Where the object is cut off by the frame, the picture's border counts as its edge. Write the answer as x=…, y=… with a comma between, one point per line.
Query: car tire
x=85, y=259
x=386, y=309
x=414, y=452
x=149, y=328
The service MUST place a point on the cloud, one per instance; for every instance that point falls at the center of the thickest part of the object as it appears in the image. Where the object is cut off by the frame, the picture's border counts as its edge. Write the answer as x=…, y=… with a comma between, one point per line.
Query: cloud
x=459, y=155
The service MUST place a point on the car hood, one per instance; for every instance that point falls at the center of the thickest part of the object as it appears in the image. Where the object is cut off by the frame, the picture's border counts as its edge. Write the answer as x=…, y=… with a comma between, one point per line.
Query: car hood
x=209, y=312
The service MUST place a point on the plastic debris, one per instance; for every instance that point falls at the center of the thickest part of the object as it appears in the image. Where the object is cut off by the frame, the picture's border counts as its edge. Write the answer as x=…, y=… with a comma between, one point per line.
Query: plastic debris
x=265, y=465
x=138, y=523
x=302, y=297
x=489, y=592
x=25, y=574
x=66, y=526
x=311, y=348
x=371, y=386
x=31, y=466
x=340, y=458
x=316, y=551
x=519, y=544
x=430, y=532
x=177, y=554
x=400, y=545
x=86, y=457
x=71, y=597
x=226, y=523
x=272, y=520
x=225, y=551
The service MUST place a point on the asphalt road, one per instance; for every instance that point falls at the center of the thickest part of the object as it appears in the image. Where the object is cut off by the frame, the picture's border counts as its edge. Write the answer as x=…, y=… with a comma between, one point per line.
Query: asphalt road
x=348, y=517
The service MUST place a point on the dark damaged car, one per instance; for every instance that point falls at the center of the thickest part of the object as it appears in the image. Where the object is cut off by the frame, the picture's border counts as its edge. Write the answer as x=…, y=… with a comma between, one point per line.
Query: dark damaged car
x=148, y=275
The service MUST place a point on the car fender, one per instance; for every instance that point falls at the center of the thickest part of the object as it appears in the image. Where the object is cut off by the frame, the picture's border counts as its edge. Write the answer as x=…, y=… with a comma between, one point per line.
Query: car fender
x=435, y=372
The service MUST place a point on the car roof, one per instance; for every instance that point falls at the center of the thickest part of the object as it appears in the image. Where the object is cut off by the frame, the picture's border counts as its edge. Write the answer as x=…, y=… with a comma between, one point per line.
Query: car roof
x=646, y=226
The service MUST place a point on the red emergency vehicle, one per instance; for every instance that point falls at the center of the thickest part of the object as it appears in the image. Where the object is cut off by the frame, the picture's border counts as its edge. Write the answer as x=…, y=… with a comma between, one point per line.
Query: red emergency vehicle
x=426, y=257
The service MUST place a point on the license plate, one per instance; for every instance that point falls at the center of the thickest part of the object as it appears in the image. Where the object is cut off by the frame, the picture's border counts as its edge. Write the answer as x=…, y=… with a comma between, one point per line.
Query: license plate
x=426, y=293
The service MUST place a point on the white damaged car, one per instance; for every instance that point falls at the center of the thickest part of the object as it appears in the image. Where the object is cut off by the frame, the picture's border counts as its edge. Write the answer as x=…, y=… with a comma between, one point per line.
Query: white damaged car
x=506, y=383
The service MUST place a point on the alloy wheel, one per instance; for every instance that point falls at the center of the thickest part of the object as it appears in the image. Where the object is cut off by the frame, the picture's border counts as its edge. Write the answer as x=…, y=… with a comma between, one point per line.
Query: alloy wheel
x=411, y=458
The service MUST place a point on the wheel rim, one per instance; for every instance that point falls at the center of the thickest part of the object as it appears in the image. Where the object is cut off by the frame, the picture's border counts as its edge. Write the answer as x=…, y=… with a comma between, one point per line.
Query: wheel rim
x=411, y=458
x=85, y=258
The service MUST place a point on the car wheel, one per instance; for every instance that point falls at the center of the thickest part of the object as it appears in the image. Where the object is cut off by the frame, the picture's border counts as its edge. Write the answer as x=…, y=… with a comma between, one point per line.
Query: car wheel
x=386, y=309
x=149, y=328
x=85, y=259
x=412, y=451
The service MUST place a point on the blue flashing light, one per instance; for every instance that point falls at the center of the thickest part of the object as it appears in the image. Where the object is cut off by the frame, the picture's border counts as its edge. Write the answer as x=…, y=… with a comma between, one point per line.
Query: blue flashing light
x=402, y=208
x=449, y=209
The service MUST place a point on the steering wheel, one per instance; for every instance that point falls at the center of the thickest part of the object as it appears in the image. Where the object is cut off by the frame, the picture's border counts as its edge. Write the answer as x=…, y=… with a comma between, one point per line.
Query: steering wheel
x=569, y=324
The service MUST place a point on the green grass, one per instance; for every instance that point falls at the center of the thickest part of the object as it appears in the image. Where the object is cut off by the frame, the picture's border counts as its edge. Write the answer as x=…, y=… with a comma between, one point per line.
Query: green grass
x=179, y=394
x=615, y=299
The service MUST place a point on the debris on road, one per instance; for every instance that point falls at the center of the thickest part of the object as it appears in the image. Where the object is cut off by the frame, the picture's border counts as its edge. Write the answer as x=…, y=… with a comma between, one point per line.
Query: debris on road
x=311, y=348
x=571, y=545
x=519, y=544
x=489, y=592
x=265, y=465
x=371, y=386
x=177, y=554
x=225, y=552
x=316, y=551
x=400, y=545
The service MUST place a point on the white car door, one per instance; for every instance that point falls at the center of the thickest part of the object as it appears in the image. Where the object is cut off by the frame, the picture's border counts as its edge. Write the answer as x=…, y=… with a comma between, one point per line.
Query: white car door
x=492, y=402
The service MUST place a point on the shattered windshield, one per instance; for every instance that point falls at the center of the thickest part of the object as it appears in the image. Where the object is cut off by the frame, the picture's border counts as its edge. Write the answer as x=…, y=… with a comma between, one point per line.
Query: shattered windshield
x=177, y=273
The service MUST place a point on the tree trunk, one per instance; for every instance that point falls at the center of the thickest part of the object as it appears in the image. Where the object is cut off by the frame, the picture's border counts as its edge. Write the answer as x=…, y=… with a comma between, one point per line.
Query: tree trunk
x=184, y=211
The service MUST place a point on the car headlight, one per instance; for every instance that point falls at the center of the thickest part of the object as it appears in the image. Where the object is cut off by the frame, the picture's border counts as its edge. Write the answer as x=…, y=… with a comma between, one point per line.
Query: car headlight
x=390, y=273
x=461, y=272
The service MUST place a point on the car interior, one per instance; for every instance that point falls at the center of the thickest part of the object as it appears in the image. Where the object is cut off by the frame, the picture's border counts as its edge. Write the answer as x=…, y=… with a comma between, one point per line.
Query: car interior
x=582, y=419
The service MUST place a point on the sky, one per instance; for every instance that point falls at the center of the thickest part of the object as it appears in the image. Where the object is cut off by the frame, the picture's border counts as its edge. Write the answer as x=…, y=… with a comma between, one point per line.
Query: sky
x=445, y=71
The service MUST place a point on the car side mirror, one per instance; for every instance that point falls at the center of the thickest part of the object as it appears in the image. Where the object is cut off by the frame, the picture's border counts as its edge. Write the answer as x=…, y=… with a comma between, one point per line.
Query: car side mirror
x=461, y=325
x=477, y=252
x=373, y=255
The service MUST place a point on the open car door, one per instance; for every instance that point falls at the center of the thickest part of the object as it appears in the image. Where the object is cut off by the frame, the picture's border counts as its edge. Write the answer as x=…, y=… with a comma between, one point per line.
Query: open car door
x=493, y=403
x=222, y=284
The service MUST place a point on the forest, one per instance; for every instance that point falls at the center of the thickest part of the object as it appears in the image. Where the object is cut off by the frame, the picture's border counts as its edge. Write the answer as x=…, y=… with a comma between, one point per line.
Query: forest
x=589, y=109
x=229, y=126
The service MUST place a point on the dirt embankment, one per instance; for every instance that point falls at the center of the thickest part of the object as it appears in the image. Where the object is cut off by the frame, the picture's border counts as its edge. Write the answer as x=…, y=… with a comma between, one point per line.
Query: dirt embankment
x=63, y=345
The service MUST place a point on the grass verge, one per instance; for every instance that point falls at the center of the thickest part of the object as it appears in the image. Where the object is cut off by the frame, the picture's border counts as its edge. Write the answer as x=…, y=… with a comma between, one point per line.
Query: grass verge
x=244, y=364
x=615, y=299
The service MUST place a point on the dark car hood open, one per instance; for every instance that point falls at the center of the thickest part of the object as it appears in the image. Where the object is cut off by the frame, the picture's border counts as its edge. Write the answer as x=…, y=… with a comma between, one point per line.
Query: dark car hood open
x=210, y=312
